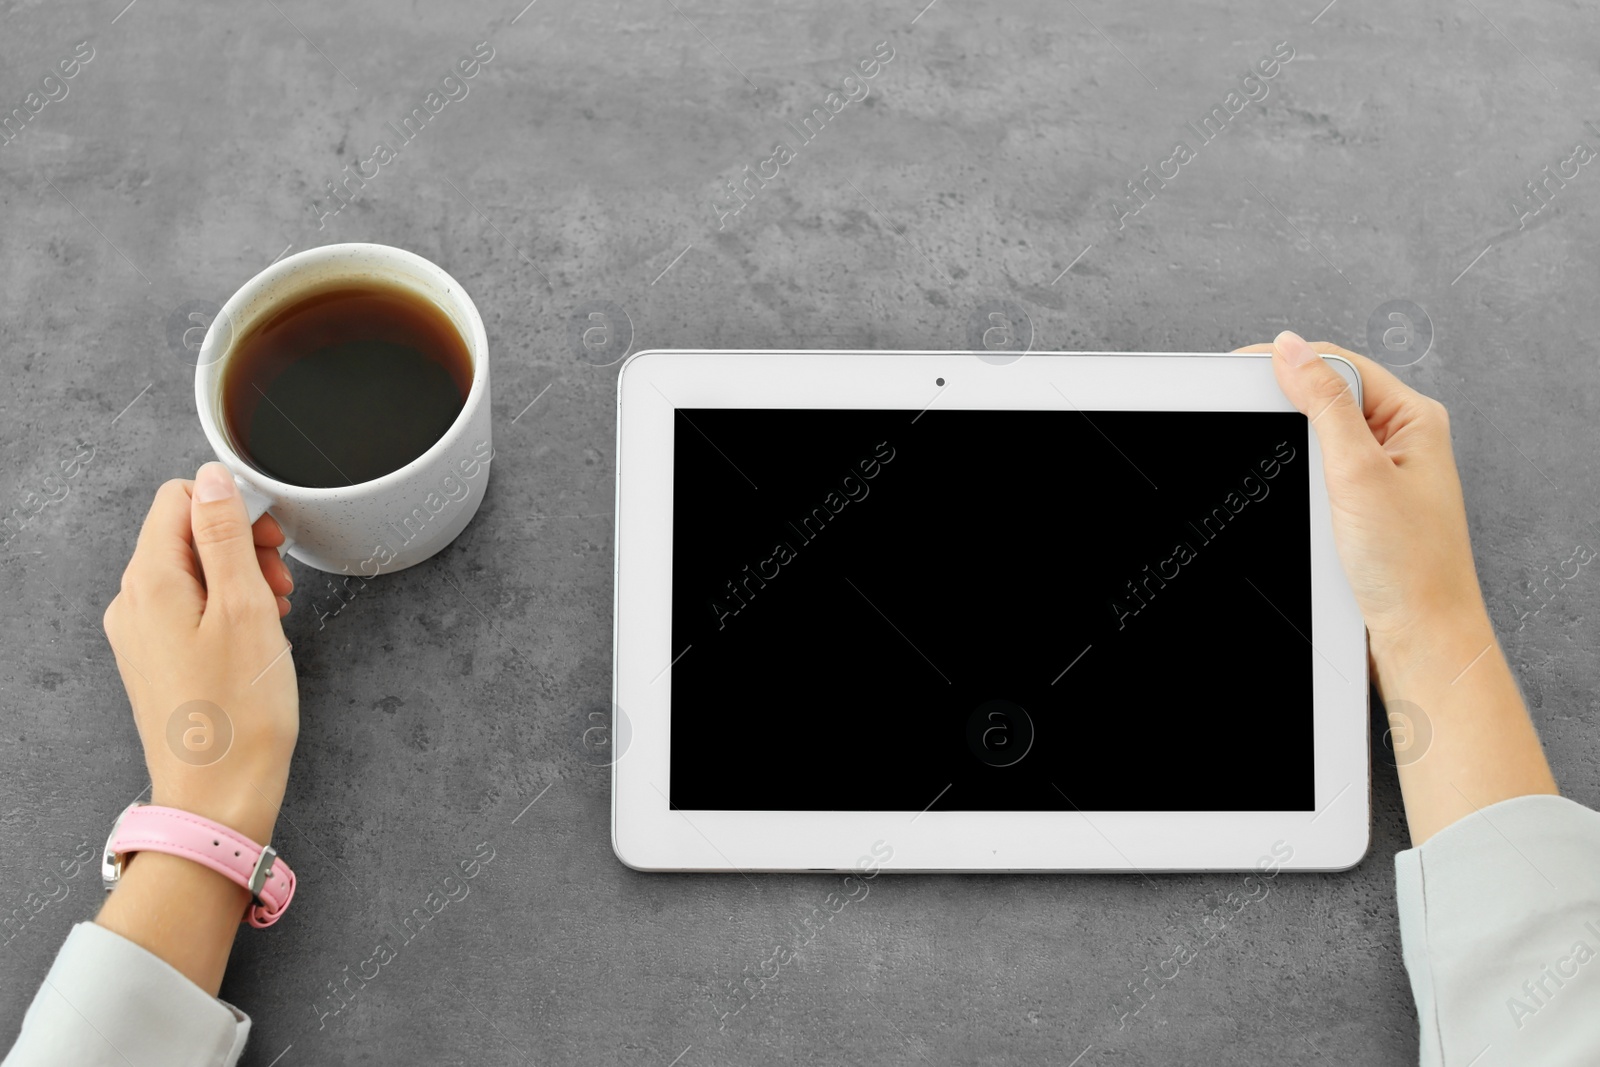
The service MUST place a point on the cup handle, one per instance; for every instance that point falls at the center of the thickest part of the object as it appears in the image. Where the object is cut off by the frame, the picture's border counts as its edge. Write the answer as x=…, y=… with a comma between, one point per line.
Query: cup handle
x=256, y=504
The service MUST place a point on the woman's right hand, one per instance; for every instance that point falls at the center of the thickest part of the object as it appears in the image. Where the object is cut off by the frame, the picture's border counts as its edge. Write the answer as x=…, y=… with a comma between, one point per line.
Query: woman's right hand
x=1399, y=520
x=1463, y=738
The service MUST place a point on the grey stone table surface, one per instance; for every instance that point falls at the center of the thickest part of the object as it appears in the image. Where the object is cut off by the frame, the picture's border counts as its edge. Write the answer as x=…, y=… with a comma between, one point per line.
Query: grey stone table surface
x=586, y=163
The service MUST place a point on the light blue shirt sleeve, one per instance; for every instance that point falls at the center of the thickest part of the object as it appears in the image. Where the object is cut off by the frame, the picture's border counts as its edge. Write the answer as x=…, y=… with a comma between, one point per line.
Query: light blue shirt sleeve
x=1499, y=926
x=109, y=1003
x=1500, y=930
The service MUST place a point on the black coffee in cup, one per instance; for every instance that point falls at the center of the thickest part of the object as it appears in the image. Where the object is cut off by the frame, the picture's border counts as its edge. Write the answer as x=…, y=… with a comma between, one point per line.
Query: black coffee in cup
x=344, y=385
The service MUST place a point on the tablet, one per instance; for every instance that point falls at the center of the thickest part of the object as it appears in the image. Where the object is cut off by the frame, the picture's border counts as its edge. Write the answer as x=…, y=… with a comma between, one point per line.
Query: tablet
x=933, y=611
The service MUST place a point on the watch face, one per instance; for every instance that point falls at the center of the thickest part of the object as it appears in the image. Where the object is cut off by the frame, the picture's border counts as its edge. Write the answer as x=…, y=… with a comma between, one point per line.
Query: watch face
x=110, y=860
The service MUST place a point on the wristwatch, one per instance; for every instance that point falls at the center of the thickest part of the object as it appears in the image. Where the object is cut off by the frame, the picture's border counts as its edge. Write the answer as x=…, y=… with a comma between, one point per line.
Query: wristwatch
x=152, y=828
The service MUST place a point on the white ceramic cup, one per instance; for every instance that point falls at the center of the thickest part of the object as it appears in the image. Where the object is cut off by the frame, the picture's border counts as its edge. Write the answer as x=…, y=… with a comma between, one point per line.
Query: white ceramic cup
x=388, y=523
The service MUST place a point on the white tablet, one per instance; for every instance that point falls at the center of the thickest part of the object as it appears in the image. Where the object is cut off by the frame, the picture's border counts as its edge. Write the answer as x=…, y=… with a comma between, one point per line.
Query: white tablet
x=933, y=611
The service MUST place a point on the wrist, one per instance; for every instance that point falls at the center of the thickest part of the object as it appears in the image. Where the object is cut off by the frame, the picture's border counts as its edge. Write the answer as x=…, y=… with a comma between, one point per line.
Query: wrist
x=180, y=878
x=253, y=815
x=1434, y=649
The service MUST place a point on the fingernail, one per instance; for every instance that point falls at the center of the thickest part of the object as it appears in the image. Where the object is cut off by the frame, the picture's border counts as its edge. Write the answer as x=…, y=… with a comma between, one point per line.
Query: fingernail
x=1293, y=348
x=212, y=482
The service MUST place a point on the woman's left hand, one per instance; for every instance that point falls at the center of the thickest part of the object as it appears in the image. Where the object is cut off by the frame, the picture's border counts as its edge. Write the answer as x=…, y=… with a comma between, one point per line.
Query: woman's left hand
x=198, y=641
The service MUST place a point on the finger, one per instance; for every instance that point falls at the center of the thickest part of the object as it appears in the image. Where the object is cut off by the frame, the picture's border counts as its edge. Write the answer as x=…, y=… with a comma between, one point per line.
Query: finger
x=163, y=559
x=1325, y=398
x=224, y=542
x=267, y=532
x=1387, y=402
x=283, y=606
x=275, y=571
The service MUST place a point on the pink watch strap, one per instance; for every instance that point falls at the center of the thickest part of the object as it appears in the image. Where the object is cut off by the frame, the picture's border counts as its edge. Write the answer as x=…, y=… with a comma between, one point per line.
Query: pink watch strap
x=151, y=828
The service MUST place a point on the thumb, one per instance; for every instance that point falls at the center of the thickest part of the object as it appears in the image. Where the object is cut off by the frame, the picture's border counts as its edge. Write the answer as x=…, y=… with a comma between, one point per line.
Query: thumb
x=223, y=540
x=1325, y=398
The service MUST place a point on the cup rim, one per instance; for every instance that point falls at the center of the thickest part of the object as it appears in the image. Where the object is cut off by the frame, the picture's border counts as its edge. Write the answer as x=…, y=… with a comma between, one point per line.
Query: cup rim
x=208, y=370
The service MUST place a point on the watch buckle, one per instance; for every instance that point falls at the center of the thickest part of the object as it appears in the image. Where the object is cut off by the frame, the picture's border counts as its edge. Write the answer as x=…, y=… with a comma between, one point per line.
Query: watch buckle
x=263, y=871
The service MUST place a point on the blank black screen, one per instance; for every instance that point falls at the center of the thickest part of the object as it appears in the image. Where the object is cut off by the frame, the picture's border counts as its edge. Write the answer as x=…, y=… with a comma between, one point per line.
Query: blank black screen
x=986, y=610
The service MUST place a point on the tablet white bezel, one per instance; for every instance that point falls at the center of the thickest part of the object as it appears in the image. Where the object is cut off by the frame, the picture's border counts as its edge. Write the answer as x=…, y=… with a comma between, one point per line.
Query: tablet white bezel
x=648, y=835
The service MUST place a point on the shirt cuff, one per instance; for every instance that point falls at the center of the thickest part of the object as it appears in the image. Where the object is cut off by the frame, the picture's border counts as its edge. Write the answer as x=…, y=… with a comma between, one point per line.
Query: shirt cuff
x=107, y=1001
x=1500, y=930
